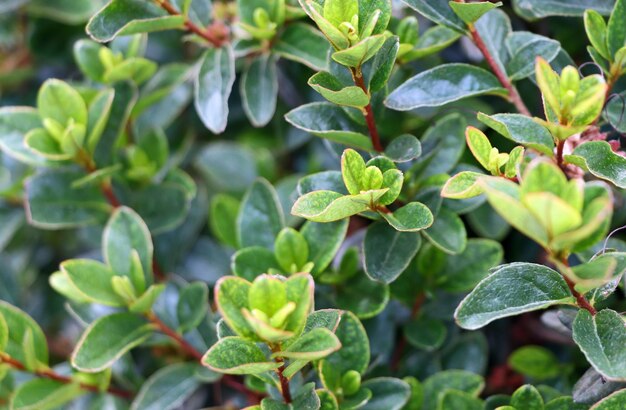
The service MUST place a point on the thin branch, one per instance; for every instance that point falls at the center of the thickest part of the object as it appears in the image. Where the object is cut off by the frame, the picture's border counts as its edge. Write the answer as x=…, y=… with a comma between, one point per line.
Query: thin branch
x=50, y=374
x=368, y=113
x=172, y=334
x=399, y=352
x=216, y=34
x=582, y=302
x=284, y=384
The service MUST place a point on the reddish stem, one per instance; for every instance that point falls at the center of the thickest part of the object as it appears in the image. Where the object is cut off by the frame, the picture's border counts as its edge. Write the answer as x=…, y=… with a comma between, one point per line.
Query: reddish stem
x=368, y=113
x=50, y=374
x=514, y=96
x=559, y=153
x=284, y=384
x=172, y=334
x=582, y=302
x=216, y=34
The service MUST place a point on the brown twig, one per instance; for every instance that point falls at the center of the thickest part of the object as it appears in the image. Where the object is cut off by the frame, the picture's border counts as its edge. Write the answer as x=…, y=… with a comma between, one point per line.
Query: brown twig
x=368, y=113
x=187, y=348
x=50, y=374
x=284, y=383
x=216, y=34
x=581, y=301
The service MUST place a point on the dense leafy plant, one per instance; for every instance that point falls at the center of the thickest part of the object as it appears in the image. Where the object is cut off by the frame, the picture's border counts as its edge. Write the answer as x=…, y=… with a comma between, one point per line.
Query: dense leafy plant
x=319, y=255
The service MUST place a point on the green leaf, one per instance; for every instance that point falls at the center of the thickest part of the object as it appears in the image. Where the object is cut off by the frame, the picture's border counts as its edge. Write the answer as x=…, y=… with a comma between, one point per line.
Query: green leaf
x=447, y=232
x=522, y=130
x=213, y=86
x=412, y=217
x=304, y=44
x=235, y=355
x=322, y=181
x=253, y=261
x=338, y=11
x=231, y=296
x=425, y=333
x=536, y=362
x=352, y=171
x=327, y=206
x=450, y=380
x=299, y=291
x=453, y=399
x=53, y=204
x=193, y=306
x=167, y=388
x=327, y=120
x=313, y=345
x=494, y=28
x=15, y=123
x=107, y=339
x=58, y=101
x=533, y=9
x=42, y=143
x=359, y=53
x=387, y=393
x=442, y=85
x=86, y=54
x=471, y=12
x=93, y=280
x=259, y=90
x=463, y=271
x=292, y=250
x=260, y=217
x=324, y=240
x=404, y=148
x=70, y=12
x=355, y=354
x=98, y=116
x=44, y=394
x=223, y=218
x=521, y=287
x=367, y=10
x=387, y=252
x=22, y=327
x=4, y=333
x=362, y=296
x=614, y=401
x=615, y=30
x=383, y=62
x=438, y=11
x=598, y=158
x=124, y=233
x=595, y=26
x=602, y=339
x=430, y=42
x=527, y=397
x=331, y=88
x=525, y=48
x=124, y=17
x=480, y=146
x=462, y=185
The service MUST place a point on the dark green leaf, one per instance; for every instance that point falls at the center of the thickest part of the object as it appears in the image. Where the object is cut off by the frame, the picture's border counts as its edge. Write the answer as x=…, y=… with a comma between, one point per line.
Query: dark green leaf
x=598, y=157
x=304, y=44
x=260, y=217
x=168, y=388
x=425, y=333
x=522, y=130
x=259, y=90
x=387, y=252
x=447, y=232
x=438, y=11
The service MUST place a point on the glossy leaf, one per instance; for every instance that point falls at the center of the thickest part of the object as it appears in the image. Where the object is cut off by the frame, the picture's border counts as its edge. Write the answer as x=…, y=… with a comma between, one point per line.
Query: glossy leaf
x=522, y=130
x=521, y=287
x=304, y=44
x=260, y=216
x=235, y=355
x=471, y=12
x=168, y=388
x=438, y=11
x=259, y=90
x=387, y=252
x=598, y=157
x=412, y=217
x=443, y=84
x=44, y=394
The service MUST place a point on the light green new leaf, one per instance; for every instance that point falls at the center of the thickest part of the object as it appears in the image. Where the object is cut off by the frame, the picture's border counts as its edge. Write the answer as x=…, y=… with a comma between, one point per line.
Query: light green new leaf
x=58, y=101
x=313, y=345
x=107, y=339
x=442, y=85
x=167, y=388
x=598, y=158
x=359, y=53
x=471, y=12
x=44, y=394
x=328, y=206
x=213, y=86
x=124, y=17
x=602, y=339
x=125, y=232
x=387, y=252
x=520, y=287
x=235, y=355
x=462, y=185
x=352, y=171
x=93, y=280
x=329, y=121
x=260, y=216
x=527, y=397
x=231, y=296
x=19, y=325
x=259, y=90
x=334, y=91
x=412, y=217
x=292, y=250
x=595, y=26
x=520, y=129
x=480, y=146
x=338, y=11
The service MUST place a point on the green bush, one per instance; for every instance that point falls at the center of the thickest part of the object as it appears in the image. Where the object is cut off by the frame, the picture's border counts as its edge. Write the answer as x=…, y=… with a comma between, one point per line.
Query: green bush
x=268, y=204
